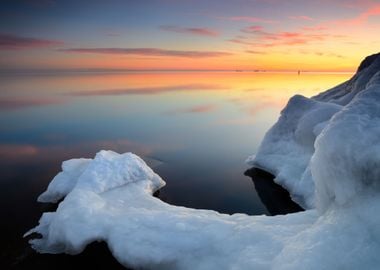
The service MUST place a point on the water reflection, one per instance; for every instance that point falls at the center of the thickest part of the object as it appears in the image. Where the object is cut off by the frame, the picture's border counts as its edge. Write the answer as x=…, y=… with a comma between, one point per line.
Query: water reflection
x=194, y=109
x=147, y=90
x=20, y=103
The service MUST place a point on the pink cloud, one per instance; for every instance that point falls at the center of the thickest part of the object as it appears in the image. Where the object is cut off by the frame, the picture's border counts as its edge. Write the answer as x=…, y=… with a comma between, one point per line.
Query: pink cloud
x=255, y=52
x=190, y=30
x=266, y=39
x=314, y=28
x=148, y=52
x=251, y=19
x=13, y=42
x=363, y=17
x=354, y=4
x=242, y=41
x=360, y=19
x=302, y=17
x=290, y=35
x=254, y=29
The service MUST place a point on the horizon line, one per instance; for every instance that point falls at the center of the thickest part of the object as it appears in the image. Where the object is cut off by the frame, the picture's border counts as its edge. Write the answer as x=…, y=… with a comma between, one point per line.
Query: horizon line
x=100, y=70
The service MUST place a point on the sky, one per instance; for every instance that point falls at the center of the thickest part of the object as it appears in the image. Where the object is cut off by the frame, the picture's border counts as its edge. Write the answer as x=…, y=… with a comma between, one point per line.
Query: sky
x=280, y=35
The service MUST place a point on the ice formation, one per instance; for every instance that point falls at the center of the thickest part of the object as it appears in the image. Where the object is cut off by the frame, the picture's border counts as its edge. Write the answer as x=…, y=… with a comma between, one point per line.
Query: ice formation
x=288, y=146
x=327, y=147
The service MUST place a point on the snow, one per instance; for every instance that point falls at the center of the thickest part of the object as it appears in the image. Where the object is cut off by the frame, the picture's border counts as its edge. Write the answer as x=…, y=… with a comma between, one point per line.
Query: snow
x=111, y=200
x=331, y=149
x=288, y=146
x=346, y=162
x=63, y=183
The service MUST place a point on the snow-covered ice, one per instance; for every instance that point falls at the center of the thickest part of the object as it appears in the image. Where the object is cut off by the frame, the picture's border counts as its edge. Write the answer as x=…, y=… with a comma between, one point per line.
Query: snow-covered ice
x=288, y=146
x=325, y=150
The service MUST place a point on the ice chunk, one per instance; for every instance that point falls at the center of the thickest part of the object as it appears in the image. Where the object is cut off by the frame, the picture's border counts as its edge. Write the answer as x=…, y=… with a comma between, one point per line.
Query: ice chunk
x=106, y=171
x=65, y=181
x=144, y=232
x=346, y=162
x=112, y=201
x=288, y=146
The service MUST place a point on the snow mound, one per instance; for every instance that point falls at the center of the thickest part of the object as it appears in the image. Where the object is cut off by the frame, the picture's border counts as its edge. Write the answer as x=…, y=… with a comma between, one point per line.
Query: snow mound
x=64, y=182
x=108, y=170
x=334, y=146
x=346, y=162
x=288, y=146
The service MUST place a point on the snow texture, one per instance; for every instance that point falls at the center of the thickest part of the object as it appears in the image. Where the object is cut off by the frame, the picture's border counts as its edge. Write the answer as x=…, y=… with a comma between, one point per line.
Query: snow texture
x=109, y=198
x=288, y=146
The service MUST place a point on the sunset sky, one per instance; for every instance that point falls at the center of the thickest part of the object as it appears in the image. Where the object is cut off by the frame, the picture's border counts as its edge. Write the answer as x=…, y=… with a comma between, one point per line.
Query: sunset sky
x=320, y=35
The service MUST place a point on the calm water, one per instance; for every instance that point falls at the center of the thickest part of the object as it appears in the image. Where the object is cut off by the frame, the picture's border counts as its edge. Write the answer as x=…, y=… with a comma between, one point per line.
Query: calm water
x=193, y=129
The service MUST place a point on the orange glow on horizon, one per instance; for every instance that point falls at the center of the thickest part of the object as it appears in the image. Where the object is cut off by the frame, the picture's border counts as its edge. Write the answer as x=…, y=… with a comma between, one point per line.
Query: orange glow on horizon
x=336, y=37
x=242, y=61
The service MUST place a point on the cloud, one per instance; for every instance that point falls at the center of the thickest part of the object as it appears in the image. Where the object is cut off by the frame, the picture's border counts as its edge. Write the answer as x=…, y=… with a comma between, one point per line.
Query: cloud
x=353, y=4
x=13, y=42
x=7, y=104
x=148, y=52
x=250, y=19
x=196, y=109
x=190, y=30
x=362, y=17
x=302, y=18
x=295, y=38
x=263, y=39
x=255, y=52
x=319, y=53
x=242, y=41
x=314, y=28
x=147, y=90
x=254, y=29
x=267, y=39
